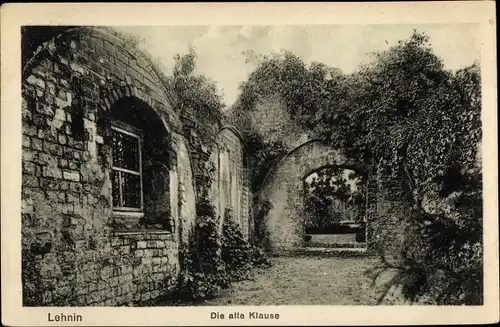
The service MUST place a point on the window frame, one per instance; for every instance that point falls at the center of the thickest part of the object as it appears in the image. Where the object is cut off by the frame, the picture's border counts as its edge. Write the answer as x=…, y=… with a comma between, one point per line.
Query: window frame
x=120, y=127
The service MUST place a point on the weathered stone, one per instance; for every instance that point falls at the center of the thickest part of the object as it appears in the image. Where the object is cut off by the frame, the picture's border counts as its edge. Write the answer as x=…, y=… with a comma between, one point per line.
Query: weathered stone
x=26, y=141
x=71, y=175
x=72, y=198
x=45, y=110
x=79, y=253
x=30, y=168
x=55, y=196
x=36, y=81
x=51, y=171
x=29, y=130
x=61, y=139
x=52, y=148
x=30, y=181
x=36, y=144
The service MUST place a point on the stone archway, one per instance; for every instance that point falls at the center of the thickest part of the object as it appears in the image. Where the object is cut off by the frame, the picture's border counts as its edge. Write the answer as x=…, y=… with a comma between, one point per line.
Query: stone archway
x=283, y=188
x=334, y=211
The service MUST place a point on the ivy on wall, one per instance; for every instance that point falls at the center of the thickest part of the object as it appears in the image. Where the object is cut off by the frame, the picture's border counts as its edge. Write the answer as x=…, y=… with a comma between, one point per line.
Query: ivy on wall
x=212, y=261
x=419, y=125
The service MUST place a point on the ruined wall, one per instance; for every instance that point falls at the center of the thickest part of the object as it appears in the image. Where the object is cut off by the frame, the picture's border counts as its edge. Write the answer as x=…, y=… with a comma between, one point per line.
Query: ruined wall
x=185, y=191
x=271, y=119
x=75, y=250
x=283, y=227
x=233, y=185
x=389, y=210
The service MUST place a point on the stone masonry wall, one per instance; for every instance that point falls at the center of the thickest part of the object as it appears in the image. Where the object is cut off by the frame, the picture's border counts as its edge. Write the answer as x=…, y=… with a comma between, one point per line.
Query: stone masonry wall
x=233, y=182
x=76, y=250
x=72, y=254
x=284, y=189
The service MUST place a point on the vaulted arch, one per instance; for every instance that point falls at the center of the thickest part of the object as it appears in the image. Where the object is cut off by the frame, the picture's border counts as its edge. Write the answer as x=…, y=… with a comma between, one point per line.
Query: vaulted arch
x=283, y=188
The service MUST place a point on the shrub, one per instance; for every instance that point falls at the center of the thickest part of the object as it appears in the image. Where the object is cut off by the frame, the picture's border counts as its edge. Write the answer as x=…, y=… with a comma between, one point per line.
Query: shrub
x=212, y=260
x=239, y=255
x=261, y=236
x=31, y=279
x=236, y=251
x=201, y=262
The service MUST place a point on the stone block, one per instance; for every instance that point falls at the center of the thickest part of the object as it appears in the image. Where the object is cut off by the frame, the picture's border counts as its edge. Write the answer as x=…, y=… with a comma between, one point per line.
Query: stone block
x=45, y=109
x=61, y=138
x=26, y=141
x=63, y=163
x=33, y=80
x=71, y=175
x=55, y=196
x=52, y=171
x=30, y=181
x=30, y=168
x=29, y=130
x=146, y=296
x=35, y=194
x=36, y=144
x=52, y=148
x=155, y=294
x=75, y=187
x=72, y=198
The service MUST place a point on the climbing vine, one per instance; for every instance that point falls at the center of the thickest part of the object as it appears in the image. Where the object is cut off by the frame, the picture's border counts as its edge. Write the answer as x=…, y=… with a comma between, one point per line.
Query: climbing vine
x=214, y=255
x=419, y=126
x=213, y=260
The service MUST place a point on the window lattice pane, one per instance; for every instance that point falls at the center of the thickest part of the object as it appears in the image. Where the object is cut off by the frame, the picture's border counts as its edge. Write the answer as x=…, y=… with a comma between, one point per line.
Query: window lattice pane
x=116, y=189
x=125, y=151
x=131, y=190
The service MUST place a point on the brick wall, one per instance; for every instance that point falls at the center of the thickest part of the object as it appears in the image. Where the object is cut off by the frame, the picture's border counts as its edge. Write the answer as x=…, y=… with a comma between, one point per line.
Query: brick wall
x=73, y=253
x=76, y=249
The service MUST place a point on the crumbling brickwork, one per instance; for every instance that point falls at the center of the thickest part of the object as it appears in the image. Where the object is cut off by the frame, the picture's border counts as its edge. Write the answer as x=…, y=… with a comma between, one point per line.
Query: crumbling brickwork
x=78, y=249
x=103, y=223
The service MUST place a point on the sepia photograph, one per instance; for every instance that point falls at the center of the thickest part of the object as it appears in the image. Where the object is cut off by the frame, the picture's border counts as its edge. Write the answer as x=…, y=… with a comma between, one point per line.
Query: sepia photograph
x=141, y=181
x=251, y=165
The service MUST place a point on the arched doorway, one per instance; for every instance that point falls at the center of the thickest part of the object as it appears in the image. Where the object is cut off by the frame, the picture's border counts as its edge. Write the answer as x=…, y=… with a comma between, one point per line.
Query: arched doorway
x=334, y=208
x=282, y=226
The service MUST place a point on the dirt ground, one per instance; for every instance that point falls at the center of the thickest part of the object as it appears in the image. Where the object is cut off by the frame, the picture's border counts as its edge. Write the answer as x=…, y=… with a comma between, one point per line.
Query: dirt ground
x=307, y=281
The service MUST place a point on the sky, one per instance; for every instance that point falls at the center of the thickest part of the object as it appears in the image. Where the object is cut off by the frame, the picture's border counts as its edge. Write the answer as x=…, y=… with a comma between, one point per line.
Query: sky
x=346, y=173
x=220, y=49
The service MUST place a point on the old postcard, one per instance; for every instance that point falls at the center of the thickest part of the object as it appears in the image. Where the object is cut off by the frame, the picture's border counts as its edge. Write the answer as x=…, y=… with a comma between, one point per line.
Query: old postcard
x=249, y=164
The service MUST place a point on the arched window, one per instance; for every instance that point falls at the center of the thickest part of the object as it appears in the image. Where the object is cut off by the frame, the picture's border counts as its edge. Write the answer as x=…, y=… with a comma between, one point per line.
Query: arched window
x=141, y=157
x=127, y=168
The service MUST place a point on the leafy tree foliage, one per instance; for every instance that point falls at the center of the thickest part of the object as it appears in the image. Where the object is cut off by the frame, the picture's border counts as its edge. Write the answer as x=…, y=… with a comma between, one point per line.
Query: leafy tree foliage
x=210, y=261
x=196, y=94
x=329, y=186
x=419, y=126
x=301, y=90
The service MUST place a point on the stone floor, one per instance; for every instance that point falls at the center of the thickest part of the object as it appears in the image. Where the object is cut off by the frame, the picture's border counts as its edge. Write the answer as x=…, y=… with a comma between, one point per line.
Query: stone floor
x=309, y=281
